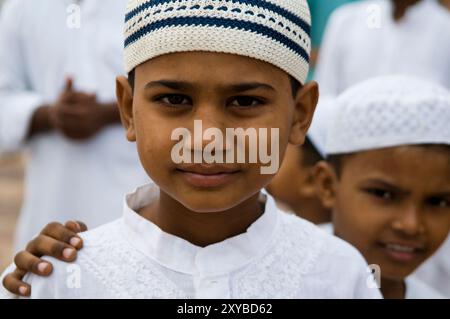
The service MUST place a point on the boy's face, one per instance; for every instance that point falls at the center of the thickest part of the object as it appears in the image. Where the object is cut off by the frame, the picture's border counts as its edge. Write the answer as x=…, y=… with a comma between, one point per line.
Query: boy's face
x=392, y=204
x=223, y=91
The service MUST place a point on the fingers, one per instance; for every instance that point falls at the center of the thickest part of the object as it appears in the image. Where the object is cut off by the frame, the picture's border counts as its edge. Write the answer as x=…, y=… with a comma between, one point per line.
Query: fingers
x=27, y=262
x=83, y=226
x=73, y=111
x=55, y=240
x=69, y=84
x=59, y=232
x=76, y=226
x=14, y=284
x=73, y=226
x=44, y=245
x=77, y=99
x=79, y=123
x=75, y=132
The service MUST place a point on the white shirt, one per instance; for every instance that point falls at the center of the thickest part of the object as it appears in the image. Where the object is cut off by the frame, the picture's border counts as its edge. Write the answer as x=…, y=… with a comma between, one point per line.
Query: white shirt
x=362, y=41
x=65, y=180
x=436, y=270
x=415, y=288
x=279, y=256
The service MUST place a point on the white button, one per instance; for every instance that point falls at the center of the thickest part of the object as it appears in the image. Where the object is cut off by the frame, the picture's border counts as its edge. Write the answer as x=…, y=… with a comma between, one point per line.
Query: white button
x=208, y=287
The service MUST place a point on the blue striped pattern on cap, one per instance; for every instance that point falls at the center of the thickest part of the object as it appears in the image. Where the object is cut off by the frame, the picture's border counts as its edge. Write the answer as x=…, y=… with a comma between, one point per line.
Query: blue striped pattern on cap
x=280, y=30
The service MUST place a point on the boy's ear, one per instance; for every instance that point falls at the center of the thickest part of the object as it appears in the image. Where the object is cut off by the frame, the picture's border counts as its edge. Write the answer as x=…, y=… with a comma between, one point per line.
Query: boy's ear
x=308, y=187
x=326, y=183
x=124, y=95
x=305, y=105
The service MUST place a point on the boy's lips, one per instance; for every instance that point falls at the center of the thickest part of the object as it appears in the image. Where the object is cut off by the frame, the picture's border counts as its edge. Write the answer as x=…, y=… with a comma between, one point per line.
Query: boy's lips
x=207, y=175
x=402, y=251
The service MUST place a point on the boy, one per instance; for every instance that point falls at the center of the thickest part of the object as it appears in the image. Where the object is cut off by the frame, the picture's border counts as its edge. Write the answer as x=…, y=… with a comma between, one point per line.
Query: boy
x=387, y=177
x=289, y=187
x=205, y=230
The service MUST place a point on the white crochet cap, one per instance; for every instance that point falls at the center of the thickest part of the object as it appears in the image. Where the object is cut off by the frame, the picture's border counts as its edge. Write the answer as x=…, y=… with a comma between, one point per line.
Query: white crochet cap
x=317, y=133
x=274, y=31
x=389, y=111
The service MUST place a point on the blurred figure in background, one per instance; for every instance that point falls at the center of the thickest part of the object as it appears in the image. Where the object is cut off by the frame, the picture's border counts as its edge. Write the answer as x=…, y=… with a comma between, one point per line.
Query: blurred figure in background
x=380, y=37
x=320, y=13
x=58, y=63
x=294, y=186
x=445, y=3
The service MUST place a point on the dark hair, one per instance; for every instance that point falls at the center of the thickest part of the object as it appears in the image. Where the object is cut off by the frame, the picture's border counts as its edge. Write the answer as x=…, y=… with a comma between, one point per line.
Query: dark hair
x=295, y=84
x=131, y=77
x=337, y=162
x=310, y=155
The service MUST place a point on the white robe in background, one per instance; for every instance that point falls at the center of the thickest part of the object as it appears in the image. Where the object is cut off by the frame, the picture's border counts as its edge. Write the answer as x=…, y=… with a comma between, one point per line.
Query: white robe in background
x=279, y=256
x=354, y=49
x=65, y=180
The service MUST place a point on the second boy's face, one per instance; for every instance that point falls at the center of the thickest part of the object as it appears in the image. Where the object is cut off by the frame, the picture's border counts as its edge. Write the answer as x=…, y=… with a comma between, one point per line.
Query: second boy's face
x=394, y=205
x=223, y=91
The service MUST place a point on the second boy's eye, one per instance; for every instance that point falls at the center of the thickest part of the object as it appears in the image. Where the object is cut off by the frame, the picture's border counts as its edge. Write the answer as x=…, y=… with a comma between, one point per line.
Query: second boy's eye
x=439, y=202
x=380, y=193
x=175, y=99
x=245, y=102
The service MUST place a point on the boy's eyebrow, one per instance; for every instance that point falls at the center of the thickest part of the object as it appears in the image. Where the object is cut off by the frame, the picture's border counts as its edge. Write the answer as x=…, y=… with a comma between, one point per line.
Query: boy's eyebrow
x=181, y=85
x=387, y=185
x=175, y=85
x=242, y=87
x=440, y=195
x=399, y=190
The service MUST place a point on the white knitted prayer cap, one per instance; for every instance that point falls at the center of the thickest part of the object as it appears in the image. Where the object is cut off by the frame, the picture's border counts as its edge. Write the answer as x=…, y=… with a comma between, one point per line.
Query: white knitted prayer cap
x=389, y=111
x=317, y=133
x=274, y=31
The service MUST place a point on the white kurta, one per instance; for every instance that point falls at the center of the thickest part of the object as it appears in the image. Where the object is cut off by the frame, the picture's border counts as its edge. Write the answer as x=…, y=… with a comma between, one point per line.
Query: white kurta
x=354, y=49
x=64, y=179
x=415, y=288
x=436, y=271
x=279, y=256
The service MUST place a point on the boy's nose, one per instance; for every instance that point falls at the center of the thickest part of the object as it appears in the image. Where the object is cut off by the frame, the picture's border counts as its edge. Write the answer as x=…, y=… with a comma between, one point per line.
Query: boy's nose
x=208, y=126
x=210, y=115
x=410, y=221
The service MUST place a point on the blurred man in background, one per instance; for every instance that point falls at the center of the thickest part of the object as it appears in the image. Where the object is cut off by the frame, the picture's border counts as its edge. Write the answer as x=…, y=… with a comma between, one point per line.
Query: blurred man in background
x=320, y=13
x=58, y=63
x=381, y=37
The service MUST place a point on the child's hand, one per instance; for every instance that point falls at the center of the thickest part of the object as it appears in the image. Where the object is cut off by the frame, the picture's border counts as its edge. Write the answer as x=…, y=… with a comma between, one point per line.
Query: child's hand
x=55, y=240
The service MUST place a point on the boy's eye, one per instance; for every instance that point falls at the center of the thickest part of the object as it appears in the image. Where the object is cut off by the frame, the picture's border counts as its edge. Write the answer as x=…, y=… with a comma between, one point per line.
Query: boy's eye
x=439, y=202
x=245, y=101
x=380, y=193
x=175, y=99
